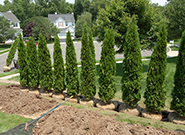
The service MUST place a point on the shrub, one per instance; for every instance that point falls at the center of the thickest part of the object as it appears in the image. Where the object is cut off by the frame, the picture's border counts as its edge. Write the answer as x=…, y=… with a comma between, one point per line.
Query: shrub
x=132, y=66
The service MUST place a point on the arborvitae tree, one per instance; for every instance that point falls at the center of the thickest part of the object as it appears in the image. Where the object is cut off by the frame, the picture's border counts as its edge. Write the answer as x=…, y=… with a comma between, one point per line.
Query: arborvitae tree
x=12, y=52
x=71, y=68
x=22, y=59
x=32, y=63
x=87, y=72
x=178, y=93
x=59, y=75
x=155, y=93
x=132, y=66
x=45, y=68
x=107, y=68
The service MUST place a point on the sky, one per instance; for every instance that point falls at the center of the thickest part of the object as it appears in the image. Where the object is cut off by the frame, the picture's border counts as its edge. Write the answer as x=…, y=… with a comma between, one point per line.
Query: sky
x=160, y=2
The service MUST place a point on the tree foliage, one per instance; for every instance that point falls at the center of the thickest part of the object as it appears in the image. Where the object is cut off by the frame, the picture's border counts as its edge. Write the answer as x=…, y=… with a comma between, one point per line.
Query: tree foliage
x=12, y=52
x=155, y=92
x=71, y=68
x=28, y=29
x=132, y=66
x=6, y=31
x=107, y=68
x=45, y=68
x=178, y=93
x=117, y=14
x=22, y=59
x=32, y=63
x=59, y=72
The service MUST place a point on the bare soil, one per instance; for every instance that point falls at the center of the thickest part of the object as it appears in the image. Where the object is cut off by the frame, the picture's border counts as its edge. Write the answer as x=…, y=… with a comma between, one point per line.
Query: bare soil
x=68, y=120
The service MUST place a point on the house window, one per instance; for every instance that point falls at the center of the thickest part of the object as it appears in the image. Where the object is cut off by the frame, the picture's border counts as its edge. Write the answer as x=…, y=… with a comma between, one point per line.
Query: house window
x=73, y=23
x=66, y=23
x=16, y=25
x=60, y=24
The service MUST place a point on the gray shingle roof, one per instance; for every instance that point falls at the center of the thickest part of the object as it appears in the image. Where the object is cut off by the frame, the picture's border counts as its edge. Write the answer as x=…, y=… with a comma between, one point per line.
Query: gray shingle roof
x=10, y=16
x=66, y=17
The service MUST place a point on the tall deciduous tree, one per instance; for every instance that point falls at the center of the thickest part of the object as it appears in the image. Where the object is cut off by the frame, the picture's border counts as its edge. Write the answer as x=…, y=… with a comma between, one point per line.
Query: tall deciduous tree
x=107, y=68
x=132, y=65
x=32, y=63
x=59, y=72
x=78, y=9
x=87, y=72
x=178, y=93
x=155, y=92
x=71, y=68
x=45, y=68
x=22, y=59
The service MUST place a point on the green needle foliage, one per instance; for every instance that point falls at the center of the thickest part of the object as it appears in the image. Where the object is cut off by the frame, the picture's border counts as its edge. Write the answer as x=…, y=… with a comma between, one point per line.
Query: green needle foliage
x=59, y=73
x=178, y=93
x=45, y=68
x=107, y=68
x=22, y=59
x=87, y=72
x=155, y=93
x=71, y=68
x=132, y=66
x=32, y=63
x=12, y=52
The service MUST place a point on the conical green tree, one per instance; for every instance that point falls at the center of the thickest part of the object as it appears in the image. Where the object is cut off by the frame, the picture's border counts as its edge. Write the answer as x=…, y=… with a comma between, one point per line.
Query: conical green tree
x=12, y=52
x=155, y=93
x=87, y=72
x=178, y=93
x=59, y=73
x=22, y=59
x=107, y=68
x=132, y=66
x=45, y=68
x=32, y=63
x=71, y=68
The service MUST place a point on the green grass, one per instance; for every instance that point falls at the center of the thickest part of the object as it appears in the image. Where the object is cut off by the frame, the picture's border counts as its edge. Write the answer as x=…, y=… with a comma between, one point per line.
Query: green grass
x=174, y=48
x=2, y=83
x=8, y=121
x=6, y=46
x=9, y=73
x=16, y=78
x=4, y=51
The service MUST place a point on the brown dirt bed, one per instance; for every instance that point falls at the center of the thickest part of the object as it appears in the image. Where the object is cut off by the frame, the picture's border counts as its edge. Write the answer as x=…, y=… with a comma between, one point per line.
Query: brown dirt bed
x=67, y=120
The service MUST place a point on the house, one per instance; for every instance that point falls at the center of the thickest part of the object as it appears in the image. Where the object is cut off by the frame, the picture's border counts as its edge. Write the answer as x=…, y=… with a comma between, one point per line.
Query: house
x=64, y=22
x=12, y=19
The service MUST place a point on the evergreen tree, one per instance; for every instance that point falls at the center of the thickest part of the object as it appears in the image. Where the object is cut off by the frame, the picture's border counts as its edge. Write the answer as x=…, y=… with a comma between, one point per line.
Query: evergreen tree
x=59, y=76
x=45, y=68
x=71, y=68
x=132, y=66
x=32, y=63
x=22, y=59
x=87, y=72
x=155, y=92
x=178, y=93
x=12, y=52
x=107, y=68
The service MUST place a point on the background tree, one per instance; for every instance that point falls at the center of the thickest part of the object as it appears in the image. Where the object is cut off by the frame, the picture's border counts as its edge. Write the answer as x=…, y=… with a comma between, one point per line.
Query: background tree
x=59, y=72
x=178, y=93
x=85, y=17
x=107, y=68
x=12, y=52
x=71, y=68
x=117, y=14
x=174, y=12
x=132, y=65
x=32, y=64
x=155, y=92
x=6, y=32
x=28, y=29
x=22, y=59
x=45, y=68
x=78, y=9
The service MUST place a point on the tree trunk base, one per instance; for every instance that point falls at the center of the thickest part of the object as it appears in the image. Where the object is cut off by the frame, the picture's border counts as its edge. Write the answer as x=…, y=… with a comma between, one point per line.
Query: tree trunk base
x=149, y=115
x=176, y=118
x=123, y=108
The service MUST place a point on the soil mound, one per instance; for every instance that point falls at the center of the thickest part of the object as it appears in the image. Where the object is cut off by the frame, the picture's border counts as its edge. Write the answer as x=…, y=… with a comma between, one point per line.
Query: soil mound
x=67, y=120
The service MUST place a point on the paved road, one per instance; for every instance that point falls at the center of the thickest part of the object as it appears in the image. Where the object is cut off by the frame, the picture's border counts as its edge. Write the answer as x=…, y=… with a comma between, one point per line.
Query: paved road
x=77, y=48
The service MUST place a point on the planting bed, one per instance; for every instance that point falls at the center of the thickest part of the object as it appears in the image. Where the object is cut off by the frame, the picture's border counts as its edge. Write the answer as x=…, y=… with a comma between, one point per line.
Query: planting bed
x=67, y=120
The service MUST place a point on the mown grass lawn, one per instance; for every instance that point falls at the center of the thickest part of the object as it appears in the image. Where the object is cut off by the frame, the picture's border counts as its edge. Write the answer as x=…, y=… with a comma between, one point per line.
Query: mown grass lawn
x=5, y=46
x=174, y=48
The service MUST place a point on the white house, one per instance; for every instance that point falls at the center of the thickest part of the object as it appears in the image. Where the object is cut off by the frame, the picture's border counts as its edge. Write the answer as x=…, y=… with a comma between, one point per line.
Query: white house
x=64, y=22
x=12, y=19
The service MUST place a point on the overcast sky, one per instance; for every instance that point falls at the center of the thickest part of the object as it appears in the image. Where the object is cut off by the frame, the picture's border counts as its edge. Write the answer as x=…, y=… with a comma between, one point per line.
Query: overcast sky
x=160, y=2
